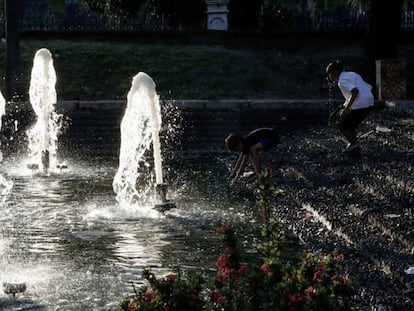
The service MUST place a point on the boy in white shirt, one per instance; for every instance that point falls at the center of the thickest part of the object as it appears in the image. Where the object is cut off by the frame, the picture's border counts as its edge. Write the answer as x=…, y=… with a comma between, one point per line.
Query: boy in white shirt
x=359, y=101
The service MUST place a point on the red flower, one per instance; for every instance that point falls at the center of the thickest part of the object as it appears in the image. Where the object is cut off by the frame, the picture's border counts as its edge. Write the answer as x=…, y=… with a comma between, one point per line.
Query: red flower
x=149, y=295
x=216, y=294
x=321, y=266
x=171, y=277
x=224, y=274
x=225, y=226
x=317, y=275
x=337, y=256
x=341, y=279
x=132, y=305
x=221, y=262
x=265, y=269
x=294, y=299
x=218, y=297
x=244, y=269
x=221, y=300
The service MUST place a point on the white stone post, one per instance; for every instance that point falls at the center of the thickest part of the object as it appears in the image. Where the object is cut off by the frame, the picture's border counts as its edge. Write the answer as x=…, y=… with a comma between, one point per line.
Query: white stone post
x=217, y=14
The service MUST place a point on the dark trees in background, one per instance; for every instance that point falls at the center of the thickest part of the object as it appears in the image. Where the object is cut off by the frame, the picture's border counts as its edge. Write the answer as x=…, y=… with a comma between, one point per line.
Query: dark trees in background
x=176, y=14
x=181, y=14
x=383, y=33
x=124, y=9
x=245, y=14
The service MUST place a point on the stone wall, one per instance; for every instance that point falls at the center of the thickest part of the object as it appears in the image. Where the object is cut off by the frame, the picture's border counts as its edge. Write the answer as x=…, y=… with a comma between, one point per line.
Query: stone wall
x=93, y=127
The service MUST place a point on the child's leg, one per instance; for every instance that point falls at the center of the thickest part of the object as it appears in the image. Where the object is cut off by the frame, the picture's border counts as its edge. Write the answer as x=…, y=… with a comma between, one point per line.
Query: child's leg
x=349, y=126
x=255, y=157
x=350, y=134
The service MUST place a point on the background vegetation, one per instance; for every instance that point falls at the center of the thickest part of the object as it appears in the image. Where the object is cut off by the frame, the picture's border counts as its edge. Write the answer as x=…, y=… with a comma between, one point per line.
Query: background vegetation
x=97, y=70
x=103, y=70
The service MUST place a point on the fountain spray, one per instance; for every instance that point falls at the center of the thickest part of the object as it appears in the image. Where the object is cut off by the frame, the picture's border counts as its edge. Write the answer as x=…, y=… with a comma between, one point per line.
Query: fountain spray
x=139, y=127
x=43, y=136
x=5, y=185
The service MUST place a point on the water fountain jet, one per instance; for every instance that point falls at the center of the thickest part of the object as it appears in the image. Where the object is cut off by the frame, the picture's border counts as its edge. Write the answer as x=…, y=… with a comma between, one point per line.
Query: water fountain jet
x=140, y=127
x=5, y=185
x=43, y=136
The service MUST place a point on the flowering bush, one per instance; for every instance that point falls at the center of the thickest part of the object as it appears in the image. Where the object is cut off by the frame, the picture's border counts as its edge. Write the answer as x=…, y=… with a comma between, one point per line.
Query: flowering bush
x=169, y=293
x=314, y=284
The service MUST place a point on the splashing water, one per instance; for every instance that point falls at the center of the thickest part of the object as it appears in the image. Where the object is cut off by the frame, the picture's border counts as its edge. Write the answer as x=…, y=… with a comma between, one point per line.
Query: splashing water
x=43, y=136
x=139, y=127
x=5, y=185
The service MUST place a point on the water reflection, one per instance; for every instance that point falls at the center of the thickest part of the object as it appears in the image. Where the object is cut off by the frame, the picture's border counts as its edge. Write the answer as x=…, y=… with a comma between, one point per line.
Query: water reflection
x=66, y=237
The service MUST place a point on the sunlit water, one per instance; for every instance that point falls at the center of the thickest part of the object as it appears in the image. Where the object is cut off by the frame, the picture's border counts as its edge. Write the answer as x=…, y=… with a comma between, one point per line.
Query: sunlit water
x=65, y=235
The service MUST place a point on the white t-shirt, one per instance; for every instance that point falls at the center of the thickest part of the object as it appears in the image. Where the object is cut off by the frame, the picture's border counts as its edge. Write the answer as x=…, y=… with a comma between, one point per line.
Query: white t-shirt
x=348, y=81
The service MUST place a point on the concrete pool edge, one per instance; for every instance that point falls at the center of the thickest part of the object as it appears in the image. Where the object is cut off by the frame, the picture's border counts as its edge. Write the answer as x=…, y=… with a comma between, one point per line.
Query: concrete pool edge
x=71, y=105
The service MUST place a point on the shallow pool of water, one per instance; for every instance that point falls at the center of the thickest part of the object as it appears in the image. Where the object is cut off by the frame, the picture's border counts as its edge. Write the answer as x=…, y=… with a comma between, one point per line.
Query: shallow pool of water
x=65, y=236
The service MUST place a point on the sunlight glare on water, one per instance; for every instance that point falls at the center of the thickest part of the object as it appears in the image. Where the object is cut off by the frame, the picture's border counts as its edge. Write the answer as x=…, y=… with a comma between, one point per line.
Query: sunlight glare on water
x=75, y=244
x=66, y=236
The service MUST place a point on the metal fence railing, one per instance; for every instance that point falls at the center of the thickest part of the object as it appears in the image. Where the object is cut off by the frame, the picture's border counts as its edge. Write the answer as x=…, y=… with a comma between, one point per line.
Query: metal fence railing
x=352, y=21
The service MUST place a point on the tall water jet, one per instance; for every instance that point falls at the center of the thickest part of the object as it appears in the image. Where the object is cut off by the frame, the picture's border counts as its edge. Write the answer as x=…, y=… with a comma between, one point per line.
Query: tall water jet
x=43, y=136
x=139, y=127
x=5, y=185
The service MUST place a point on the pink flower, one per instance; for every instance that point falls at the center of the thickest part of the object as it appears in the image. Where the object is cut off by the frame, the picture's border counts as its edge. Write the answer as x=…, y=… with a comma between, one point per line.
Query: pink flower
x=149, y=295
x=132, y=305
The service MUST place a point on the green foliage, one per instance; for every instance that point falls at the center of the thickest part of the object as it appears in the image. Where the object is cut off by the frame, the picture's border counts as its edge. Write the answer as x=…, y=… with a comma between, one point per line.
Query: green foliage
x=171, y=292
x=280, y=13
x=126, y=10
x=175, y=13
x=316, y=283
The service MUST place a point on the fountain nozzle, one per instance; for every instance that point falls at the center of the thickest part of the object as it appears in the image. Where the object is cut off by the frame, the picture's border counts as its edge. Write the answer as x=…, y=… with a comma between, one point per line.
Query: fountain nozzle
x=14, y=288
x=45, y=160
x=161, y=195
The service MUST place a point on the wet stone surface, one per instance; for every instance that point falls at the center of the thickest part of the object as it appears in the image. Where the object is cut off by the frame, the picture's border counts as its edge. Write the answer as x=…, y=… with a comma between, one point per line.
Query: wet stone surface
x=361, y=206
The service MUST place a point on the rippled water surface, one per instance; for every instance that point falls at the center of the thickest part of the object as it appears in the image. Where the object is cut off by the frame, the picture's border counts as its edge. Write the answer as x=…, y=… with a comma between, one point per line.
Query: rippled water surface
x=65, y=236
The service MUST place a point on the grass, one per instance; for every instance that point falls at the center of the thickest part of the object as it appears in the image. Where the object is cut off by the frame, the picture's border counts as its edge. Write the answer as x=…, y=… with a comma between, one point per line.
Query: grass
x=99, y=70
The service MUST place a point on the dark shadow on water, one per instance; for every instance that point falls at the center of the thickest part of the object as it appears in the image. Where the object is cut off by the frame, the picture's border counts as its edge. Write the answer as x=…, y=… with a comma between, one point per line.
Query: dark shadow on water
x=20, y=304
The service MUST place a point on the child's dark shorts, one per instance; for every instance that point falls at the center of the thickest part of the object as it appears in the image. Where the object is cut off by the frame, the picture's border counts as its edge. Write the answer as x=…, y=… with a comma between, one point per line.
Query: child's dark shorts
x=268, y=143
x=354, y=118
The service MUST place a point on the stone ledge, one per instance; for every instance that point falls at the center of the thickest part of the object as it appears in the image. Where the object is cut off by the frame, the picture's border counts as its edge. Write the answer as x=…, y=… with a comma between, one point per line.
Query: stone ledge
x=228, y=104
